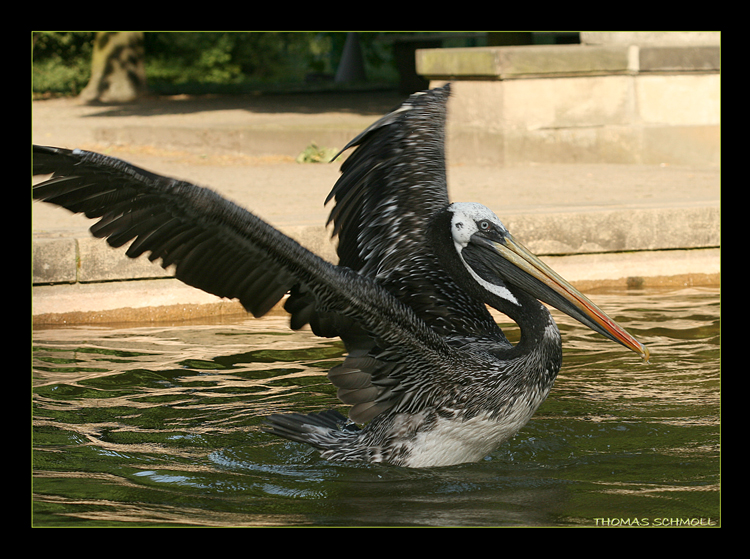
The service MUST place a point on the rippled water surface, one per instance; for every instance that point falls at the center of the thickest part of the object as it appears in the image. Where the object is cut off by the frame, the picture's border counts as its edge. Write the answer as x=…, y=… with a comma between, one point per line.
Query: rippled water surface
x=159, y=425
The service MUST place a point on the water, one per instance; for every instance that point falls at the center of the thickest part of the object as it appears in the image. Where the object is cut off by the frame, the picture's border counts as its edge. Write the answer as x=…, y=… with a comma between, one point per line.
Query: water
x=159, y=426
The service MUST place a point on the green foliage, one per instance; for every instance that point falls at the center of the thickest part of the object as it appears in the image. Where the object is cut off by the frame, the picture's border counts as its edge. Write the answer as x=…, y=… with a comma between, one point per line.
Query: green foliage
x=61, y=62
x=177, y=58
x=194, y=62
x=315, y=154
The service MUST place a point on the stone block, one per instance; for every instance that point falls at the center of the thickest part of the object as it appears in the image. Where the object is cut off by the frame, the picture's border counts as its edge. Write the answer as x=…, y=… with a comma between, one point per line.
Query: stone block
x=613, y=144
x=617, y=230
x=679, y=59
x=691, y=99
x=568, y=102
x=528, y=61
x=54, y=260
x=100, y=262
x=681, y=145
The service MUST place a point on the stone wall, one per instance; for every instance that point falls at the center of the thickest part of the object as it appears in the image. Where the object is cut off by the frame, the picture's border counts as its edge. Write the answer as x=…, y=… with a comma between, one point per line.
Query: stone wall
x=653, y=102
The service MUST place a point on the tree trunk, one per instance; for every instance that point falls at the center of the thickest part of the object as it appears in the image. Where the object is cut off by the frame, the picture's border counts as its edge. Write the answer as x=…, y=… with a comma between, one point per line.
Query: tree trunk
x=117, y=70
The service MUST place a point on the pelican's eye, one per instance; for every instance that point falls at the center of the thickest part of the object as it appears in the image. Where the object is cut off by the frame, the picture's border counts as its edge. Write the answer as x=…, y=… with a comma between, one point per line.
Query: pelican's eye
x=485, y=225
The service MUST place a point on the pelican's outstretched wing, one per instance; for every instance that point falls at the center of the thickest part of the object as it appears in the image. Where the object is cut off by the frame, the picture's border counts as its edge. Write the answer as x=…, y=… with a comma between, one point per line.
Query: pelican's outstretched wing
x=223, y=249
x=204, y=235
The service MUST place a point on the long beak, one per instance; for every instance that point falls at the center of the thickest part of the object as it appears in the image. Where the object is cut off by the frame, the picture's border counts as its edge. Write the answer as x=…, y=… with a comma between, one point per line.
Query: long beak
x=552, y=289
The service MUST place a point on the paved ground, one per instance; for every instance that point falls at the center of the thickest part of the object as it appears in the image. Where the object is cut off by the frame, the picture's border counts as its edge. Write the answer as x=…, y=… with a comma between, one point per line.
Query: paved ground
x=665, y=219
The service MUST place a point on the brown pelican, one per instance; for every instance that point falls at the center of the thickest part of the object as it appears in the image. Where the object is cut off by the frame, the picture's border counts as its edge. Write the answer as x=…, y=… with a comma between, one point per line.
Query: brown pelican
x=430, y=377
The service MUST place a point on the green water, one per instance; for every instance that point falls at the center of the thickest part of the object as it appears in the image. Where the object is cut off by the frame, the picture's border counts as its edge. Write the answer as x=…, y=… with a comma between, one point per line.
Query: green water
x=159, y=426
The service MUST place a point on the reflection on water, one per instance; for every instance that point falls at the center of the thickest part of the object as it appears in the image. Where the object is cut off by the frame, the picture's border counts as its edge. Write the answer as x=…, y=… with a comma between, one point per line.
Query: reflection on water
x=159, y=425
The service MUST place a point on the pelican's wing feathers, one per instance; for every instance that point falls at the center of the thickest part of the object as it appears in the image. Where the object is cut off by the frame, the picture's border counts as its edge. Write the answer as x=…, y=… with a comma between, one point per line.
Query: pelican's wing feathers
x=193, y=228
x=391, y=187
x=224, y=249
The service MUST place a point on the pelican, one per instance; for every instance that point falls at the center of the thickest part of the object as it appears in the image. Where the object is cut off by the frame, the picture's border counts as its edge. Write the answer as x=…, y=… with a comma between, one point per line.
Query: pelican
x=430, y=377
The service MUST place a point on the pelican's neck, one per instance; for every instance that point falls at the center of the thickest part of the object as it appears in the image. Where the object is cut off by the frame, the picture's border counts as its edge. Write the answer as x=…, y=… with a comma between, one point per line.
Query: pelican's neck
x=540, y=335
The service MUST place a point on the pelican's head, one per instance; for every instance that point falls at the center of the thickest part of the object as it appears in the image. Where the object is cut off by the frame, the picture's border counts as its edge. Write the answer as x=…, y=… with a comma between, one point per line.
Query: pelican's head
x=496, y=262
